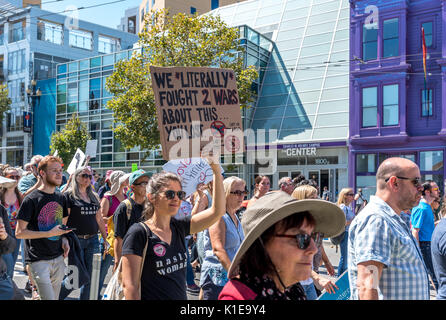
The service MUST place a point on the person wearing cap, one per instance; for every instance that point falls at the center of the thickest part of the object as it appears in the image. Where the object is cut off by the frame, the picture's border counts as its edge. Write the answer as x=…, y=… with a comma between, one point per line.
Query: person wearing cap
x=106, y=187
x=109, y=203
x=138, y=181
x=278, y=248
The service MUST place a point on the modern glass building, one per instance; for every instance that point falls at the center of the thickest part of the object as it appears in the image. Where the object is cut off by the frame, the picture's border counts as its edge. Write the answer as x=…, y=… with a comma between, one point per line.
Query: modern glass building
x=304, y=94
x=32, y=43
x=81, y=89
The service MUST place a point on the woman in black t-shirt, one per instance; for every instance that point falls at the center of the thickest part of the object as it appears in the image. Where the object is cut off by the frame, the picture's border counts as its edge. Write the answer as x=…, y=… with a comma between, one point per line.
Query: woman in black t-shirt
x=85, y=217
x=163, y=275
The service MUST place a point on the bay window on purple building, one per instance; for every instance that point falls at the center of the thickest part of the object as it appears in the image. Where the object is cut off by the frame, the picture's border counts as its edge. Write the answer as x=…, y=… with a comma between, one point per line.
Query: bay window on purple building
x=393, y=112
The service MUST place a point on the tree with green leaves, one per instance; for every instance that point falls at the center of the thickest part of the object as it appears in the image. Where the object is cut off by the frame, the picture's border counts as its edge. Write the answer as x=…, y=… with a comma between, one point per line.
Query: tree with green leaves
x=180, y=40
x=74, y=135
x=5, y=101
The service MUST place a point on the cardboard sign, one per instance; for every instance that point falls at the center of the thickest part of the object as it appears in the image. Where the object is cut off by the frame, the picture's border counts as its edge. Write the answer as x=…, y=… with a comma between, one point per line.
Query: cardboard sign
x=343, y=293
x=192, y=172
x=78, y=160
x=198, y=109
x=90, y=149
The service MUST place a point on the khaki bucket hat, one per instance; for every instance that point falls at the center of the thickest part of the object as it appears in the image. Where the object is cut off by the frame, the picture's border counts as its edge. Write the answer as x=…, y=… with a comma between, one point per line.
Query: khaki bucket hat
x=276, y=206
x=117, y=178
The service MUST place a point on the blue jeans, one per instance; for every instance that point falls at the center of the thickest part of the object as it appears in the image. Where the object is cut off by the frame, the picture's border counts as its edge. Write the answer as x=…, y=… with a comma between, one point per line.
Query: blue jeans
x=210, y=290
x=310, y=291
x=344, y=253
x=6, y=287
x=425, y=247
x=11, y=258
x=88, y=248
x=106, y=262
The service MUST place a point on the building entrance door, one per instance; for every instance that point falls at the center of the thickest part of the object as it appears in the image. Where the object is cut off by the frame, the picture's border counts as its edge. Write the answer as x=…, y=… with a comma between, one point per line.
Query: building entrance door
x=323, y=177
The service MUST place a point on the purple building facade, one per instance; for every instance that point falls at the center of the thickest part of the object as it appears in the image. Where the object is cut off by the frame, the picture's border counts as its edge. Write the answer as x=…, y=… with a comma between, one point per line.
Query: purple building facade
x=392, y=111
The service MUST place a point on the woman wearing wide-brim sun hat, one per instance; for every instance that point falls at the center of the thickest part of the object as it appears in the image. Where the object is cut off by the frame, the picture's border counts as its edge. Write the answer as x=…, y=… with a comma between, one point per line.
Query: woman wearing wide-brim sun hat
x=279, y=246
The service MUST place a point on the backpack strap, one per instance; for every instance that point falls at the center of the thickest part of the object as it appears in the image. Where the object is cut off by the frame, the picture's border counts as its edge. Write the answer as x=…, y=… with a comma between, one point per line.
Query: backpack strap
x=148, y=233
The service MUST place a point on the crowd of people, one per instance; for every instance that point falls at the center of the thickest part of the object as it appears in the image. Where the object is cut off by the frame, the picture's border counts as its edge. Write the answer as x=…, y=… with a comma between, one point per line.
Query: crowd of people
x=265, y=247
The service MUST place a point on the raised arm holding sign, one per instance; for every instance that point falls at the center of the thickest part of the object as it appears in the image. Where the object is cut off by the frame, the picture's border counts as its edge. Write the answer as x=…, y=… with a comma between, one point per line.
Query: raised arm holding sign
x=192, y=171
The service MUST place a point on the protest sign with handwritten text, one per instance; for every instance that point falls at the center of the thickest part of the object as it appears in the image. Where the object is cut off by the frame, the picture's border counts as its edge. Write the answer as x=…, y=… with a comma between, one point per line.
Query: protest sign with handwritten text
x=192, y=172
x=197, y=107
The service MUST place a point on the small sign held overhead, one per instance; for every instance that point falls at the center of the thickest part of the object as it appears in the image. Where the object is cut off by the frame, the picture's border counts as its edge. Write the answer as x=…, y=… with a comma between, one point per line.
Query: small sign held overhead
x=90, y=149
x=78, y=160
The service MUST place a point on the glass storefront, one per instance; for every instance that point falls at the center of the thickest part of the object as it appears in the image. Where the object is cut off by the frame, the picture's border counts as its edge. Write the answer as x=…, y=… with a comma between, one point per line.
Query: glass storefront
x=429, y=162
x=327, y=166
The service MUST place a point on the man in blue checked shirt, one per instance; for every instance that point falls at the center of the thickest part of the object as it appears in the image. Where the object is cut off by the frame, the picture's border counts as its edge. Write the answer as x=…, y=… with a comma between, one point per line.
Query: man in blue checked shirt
x=384, y=259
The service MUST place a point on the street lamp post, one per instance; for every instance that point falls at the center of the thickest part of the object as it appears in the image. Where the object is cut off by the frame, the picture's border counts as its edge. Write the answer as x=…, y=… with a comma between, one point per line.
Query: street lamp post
x=32, y=93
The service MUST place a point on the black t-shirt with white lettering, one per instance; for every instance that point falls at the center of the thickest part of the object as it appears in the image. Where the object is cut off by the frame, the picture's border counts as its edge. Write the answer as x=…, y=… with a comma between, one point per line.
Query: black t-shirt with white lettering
x=43, y=211
x=164, y=271
x=121, y=222
x=82, y=215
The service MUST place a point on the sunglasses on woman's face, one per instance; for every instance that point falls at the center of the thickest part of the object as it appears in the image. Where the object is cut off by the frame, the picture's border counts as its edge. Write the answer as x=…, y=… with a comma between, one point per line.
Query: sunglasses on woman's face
x=303, y=240
x=13, y=177
x=239, y=193
x=170, y=194
x=86, y=175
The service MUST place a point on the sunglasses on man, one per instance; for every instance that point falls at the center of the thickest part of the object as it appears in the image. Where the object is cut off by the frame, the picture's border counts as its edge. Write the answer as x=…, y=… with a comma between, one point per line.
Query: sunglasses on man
x=415, y=181
x=303, y=240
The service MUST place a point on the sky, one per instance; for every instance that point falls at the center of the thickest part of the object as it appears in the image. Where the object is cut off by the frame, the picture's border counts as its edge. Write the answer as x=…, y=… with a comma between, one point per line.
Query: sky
x=108, y=15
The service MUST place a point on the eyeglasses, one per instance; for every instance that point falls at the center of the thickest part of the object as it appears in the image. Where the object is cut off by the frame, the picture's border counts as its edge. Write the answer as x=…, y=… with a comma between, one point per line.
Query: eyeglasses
x=303, y=239
x=144, y=184
x=415, y=181
x=170, y=194
x=13, y=177
x=239, y=193
x=350, y=194
x=86, y=175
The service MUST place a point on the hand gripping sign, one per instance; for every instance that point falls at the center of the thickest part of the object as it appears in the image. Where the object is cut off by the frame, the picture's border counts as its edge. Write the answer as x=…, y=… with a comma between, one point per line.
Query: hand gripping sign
x=196, y=106
x=192, y=172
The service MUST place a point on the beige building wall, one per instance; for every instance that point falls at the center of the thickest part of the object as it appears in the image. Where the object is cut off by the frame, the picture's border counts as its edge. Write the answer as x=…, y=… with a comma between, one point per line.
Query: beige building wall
x=32, y=2
x=177, y=6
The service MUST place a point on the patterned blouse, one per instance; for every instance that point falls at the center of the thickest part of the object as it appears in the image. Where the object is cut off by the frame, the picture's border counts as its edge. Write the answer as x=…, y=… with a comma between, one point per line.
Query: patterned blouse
x=13, y=210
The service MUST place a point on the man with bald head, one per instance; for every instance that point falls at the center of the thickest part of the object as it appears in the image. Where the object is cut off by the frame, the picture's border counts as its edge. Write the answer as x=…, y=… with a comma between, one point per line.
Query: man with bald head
x=384, y=259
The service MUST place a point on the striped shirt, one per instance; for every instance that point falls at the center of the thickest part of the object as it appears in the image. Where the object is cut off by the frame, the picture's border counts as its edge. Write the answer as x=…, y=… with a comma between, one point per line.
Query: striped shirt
x=379, y=234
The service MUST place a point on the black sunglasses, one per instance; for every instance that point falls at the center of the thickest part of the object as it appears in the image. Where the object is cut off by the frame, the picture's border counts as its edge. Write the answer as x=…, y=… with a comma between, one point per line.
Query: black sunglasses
x=86, y=175
x=303, y=239
x=415, y=181
x=238, y=193
x=144, y=183
x=170, y=194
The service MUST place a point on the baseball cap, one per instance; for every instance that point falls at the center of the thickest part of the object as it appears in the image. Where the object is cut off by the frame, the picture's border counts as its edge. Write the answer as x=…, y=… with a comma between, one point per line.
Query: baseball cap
x=138, y=174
